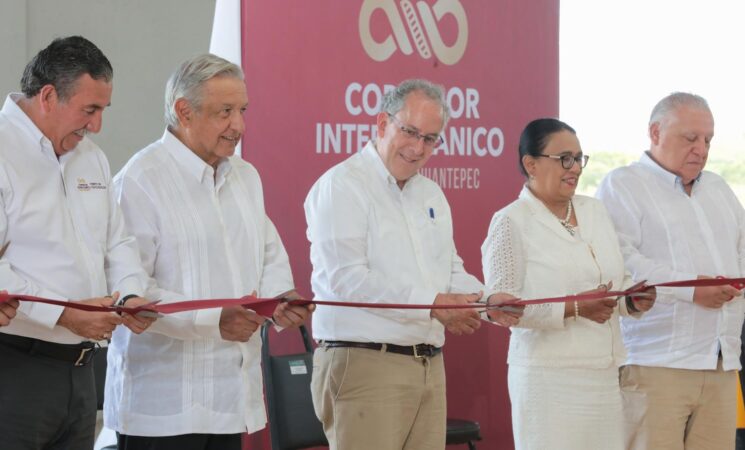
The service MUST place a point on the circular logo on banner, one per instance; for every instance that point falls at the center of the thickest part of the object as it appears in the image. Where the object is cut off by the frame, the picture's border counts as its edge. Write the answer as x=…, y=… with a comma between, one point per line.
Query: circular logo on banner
x=422, y=25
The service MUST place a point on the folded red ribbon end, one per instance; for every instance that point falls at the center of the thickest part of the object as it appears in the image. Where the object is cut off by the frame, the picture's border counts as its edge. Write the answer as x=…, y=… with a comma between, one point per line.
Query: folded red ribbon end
x=737, y=285
x=262, y=306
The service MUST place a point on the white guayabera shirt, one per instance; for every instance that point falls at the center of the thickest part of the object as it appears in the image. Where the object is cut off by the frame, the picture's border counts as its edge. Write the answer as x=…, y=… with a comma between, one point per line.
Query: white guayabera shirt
x=66, y=233
x=666, y=235
x=202, y=235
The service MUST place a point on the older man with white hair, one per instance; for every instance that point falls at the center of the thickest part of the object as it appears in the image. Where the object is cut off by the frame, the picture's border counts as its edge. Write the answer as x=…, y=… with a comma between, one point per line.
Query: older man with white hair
x=197, y=211
x=676, y=221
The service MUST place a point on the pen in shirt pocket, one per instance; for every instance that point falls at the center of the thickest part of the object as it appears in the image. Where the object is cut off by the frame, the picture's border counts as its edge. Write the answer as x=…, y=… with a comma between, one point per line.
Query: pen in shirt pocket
x=432, y=213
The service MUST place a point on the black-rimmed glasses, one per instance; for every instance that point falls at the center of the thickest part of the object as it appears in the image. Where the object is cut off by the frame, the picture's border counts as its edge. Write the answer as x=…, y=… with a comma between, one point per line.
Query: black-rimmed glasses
x=430, y=140
x=567, y=161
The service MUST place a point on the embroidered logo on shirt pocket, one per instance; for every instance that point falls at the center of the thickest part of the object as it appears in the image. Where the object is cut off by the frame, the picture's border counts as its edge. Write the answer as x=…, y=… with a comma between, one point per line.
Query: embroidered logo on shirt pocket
x=86, y=186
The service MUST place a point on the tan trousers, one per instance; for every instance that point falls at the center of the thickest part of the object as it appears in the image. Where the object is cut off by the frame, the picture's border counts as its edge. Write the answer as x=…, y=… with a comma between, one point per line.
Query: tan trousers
x=679, y=409
x=371, y=400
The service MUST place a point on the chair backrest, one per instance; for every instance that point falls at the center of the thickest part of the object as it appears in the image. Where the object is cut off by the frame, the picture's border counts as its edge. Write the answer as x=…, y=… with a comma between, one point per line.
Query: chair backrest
x=292, y=421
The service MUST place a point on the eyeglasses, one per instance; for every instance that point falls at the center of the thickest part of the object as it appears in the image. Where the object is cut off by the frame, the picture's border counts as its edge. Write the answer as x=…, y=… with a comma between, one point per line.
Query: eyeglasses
x=430, y=140
x=567, y=161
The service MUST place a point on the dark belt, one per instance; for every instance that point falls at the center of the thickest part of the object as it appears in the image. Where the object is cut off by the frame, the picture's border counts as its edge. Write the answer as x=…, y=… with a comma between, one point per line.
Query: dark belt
x=417, y=351
x=78, y=354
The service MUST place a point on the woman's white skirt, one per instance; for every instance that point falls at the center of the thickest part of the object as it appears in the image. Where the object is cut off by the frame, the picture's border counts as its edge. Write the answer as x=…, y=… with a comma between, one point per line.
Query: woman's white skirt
x=565, y=408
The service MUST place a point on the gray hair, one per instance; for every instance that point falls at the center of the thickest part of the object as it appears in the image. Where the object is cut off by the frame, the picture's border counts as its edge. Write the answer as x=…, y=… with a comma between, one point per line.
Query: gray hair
x=394, y=100
x=673, y=102
x=186, y=82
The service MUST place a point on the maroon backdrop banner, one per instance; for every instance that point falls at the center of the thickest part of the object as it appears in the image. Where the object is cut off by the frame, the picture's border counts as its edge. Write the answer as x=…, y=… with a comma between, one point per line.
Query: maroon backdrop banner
x=316, y=71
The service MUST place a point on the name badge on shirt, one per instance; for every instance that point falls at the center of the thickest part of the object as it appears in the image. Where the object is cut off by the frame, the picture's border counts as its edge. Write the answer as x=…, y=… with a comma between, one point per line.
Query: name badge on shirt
x=87, y=186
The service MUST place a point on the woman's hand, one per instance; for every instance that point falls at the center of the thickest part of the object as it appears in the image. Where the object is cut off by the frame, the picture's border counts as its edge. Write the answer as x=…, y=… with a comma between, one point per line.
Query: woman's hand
x=597, y=310
x=507, y=317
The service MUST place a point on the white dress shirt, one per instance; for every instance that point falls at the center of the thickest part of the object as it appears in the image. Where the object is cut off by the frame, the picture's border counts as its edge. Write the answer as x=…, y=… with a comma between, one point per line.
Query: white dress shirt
x=202, y=235
x=67, y=237
x=667, y=235
x=529, y=254
x=372, y=242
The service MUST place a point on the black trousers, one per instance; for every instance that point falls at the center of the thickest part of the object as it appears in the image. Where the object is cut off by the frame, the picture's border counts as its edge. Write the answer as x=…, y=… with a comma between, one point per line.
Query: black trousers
x=181, y=442
x=45, y=404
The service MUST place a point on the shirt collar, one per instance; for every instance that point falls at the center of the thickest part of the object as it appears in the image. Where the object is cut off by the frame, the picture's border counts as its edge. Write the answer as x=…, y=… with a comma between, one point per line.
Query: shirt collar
x=670, y=178
x=192, y=163
x=535, y=204
x=370, y=152
x=544, y=215
x=20, y=119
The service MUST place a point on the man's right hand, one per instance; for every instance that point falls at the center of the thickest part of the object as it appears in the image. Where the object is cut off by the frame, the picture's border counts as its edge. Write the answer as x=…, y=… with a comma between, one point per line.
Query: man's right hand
x=7, y=311
x=714, y=296
x=89, y=324
x=238, y=324
x=457, y=321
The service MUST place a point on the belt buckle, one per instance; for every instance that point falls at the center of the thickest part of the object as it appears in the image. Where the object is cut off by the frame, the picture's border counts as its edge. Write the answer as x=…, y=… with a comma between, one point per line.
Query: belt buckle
x=83, y=358
x=427, y=352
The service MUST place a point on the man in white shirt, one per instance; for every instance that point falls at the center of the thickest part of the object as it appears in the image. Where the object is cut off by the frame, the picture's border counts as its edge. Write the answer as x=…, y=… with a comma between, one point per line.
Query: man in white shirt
x=65, y=239
x=382, y=233
x=676, y=221
x=197, y=210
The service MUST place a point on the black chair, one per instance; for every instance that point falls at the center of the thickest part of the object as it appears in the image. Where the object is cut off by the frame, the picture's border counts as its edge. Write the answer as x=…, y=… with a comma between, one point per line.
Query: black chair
x=292, y=421
x=463, y=432
x=294, y=425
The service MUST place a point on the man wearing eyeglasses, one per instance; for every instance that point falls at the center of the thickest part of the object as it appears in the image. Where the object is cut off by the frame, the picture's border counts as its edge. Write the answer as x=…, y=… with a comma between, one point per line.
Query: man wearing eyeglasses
x=381, y=233
x=676, y=221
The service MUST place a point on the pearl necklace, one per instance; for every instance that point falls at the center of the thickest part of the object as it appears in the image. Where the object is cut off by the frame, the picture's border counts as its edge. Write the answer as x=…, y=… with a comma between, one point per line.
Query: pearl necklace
x=567, y=222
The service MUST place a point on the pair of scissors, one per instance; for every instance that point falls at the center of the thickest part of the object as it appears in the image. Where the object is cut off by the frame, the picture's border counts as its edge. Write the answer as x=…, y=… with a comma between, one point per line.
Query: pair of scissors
x=636, y=291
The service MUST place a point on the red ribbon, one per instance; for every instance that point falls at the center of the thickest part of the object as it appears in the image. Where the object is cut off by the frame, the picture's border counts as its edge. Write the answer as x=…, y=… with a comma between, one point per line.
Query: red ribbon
x=266, y=306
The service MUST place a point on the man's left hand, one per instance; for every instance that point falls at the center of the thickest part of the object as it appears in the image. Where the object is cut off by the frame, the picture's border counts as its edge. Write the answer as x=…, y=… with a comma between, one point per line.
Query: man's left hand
x=7, y=310
x=137, y=322
x=645, y=303
x=287, y=315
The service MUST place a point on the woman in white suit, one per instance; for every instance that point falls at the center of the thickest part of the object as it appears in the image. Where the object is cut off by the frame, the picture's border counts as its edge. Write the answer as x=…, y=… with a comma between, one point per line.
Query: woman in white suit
x=563, y=357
